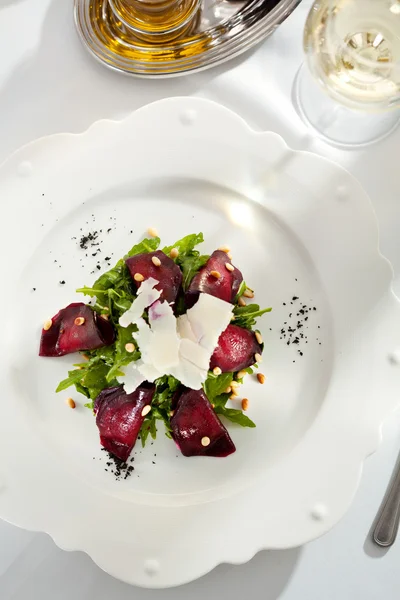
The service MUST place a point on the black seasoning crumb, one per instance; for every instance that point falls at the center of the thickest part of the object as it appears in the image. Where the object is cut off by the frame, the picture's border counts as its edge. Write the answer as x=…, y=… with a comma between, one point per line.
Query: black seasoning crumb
x=88, y=240
x=295, y=298
x=153, y=462
x=119, y=468
x=98, y=267
x=34, y=289
x=62, y=282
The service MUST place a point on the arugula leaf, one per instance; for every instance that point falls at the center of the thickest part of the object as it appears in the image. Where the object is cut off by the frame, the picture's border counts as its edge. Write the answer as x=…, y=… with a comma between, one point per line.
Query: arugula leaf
x=245, y=316
x=147, y=245
x=215, y=385
x=113, y=290
x=161, y=405
x=95, y=379
x=241, y=290
x=187, y=244
x=234, y=415
x=121, y=356
x=73, y=377
x=190, y=265
x=189, y=259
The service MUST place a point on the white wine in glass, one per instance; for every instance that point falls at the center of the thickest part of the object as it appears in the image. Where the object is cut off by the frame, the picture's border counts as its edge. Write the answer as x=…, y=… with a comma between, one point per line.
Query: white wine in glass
x=353, y=52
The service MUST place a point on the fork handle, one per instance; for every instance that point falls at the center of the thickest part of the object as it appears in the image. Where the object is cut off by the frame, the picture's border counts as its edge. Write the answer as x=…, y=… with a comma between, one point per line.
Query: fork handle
x=389, y=516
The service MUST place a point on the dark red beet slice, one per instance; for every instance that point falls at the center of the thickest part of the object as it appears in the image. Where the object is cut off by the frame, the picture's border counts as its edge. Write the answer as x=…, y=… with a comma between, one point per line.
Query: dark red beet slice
x=236, y=349
x=119, y=417
x=64, y=336
x=224, y=287
x=194, y=420
x=168, y=273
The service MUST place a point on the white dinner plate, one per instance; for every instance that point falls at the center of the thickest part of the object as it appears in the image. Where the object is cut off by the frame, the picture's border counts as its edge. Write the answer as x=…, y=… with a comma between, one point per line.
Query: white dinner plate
x=303, y=233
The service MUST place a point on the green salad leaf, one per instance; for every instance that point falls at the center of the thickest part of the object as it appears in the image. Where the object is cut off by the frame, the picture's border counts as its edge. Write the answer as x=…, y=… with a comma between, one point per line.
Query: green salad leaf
x=113, y=290
x=246, y=316
x=166, y=387
x=189, y=259
x=214, y=388
x=235, y=415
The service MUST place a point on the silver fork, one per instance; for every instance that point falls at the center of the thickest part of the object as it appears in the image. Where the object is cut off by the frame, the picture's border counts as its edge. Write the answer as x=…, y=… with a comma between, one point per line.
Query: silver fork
x=387, y=523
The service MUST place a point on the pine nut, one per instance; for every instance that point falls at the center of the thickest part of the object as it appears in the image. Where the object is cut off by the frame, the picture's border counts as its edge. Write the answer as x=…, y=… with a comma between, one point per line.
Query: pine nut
x=152, y=232
x=138, y=277
x=261, y=377
x=146, y=410
x=156, y=261
x=47, y=324
x=71, y=402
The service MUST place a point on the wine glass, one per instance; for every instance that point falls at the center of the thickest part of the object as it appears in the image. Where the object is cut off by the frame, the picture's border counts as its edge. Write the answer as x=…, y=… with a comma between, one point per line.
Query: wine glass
x=349, y=90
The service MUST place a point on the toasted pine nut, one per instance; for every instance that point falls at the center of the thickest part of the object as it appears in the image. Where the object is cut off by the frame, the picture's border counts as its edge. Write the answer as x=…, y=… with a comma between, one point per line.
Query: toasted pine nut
x=234, y=395
x=217, y=371
x=241, y=301
x=130, y=347
x=224, y=249
x=47, y=324
x=71, y=402
x=258, y=357
x=146, y=410
x=261, y=377
x=248, y=293
x=229, y=255
x=241, y=374
x=79, y=321
x=105, y=317
x=138, y=277
x=156, y=261
x=174, y=253
x=85, y=356
x=171, y=413
x=235, y=385
x=245, y=404
x=152, y=232
x=228, y=390
x=215, y=274
x=205, y=441
x=259, y=337
x=229, y=267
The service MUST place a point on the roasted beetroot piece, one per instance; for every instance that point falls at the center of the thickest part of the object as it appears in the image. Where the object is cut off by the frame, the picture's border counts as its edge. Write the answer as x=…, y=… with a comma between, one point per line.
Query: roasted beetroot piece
x=236, y=349
x=167, y=273
x=76, y=327
x=215, y=278
x=196, y=429
x=119, y=417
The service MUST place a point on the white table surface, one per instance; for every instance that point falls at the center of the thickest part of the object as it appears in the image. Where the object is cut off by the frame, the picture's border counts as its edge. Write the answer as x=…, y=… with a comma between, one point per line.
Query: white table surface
x=49, y=84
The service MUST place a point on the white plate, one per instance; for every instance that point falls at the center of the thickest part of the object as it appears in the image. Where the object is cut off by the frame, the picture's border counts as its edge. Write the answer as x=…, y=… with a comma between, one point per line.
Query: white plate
x=298, y=226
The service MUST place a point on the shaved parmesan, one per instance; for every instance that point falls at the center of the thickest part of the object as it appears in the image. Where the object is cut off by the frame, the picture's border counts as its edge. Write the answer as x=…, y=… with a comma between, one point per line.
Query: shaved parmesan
x=180, y=347
x=146, y=295
x=131, y=379
x=208, y=318
x=164, y=346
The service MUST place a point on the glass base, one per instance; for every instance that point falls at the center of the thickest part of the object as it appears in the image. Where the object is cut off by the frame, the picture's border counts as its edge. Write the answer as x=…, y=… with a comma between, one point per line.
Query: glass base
x=334, y=122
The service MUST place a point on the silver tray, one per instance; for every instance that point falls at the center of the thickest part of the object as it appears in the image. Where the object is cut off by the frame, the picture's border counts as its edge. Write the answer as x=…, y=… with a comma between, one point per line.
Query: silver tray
x=223, y=29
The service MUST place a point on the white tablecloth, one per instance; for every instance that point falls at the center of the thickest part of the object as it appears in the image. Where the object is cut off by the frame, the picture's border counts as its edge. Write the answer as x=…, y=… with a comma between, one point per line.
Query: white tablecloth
x=50, y=84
